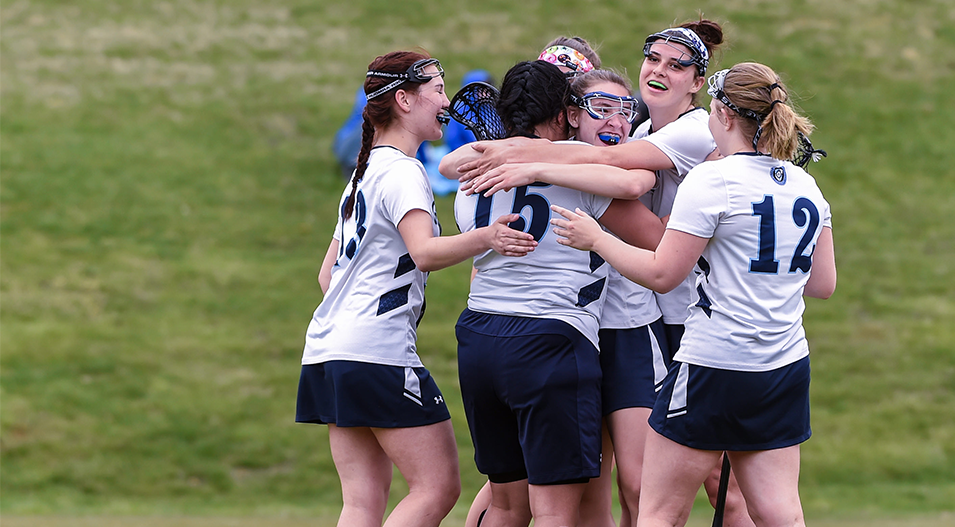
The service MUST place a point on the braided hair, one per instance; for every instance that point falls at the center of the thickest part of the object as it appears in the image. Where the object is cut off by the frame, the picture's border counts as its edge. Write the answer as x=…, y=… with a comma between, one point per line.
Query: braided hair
x=378, y=112
x=532, y=93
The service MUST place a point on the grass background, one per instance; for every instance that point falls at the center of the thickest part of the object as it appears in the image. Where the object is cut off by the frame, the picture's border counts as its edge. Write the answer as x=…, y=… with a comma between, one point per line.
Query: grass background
x=167, y=192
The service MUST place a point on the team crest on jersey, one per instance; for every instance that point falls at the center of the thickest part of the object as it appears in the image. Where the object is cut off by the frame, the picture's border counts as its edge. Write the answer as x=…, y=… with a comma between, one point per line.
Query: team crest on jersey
x=779, y=174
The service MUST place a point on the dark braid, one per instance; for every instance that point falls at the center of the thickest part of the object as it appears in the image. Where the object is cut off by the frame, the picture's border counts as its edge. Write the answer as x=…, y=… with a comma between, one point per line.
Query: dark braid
x=367, y=137
x=377, y=113
x=532, y=93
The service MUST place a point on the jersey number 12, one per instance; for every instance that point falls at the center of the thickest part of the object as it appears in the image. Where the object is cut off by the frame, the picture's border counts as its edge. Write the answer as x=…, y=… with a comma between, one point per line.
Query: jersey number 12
x=804, y=212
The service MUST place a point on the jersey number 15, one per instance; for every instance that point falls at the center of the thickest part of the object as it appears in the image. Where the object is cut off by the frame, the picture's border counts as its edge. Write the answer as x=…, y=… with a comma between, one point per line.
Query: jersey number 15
x=540, y=211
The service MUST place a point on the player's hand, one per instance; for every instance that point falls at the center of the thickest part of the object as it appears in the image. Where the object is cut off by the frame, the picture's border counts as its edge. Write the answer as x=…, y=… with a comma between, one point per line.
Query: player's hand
x=502, y=178
x=507, y=241
x=493, y=155
x=577, y=230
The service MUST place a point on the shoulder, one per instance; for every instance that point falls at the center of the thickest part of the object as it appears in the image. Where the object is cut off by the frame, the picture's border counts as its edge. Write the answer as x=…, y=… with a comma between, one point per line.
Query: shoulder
x=392, y=167
x=707, y=174
x=641, y=132
x=397, y=160
x=694, y=120
x=689, y=135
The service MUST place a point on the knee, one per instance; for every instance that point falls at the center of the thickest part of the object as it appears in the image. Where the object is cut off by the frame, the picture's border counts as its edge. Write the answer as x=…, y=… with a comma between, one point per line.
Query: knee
x=712, y=484
x=451, y=493
x=630, y=488
x=371, y=499
x=442, y=493
x=776, y=517
x=734, y=499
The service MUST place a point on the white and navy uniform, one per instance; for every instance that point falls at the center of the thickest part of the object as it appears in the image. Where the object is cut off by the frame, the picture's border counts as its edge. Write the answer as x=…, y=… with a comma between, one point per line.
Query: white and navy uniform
x=687, y=141
x=740, y=380
x=527, y=343
x=634, y=355
x=374, y=301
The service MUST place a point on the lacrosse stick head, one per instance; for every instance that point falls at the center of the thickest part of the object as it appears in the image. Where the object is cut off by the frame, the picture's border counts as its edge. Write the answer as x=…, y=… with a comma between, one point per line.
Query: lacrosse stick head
x=806, y=153
x=474, y=107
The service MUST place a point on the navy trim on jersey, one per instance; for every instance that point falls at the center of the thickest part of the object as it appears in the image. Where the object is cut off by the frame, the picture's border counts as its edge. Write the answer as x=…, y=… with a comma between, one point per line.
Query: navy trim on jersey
x=390, y=146
x=405, y=265
x=590, y=292
x=393, y=299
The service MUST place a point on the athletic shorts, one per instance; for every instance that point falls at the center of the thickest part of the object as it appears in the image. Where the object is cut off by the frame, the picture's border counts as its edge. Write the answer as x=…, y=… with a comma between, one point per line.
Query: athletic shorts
x=349, y=393
x=531, y=390
x=712, y=409
x=674, y=333
x=634, y=363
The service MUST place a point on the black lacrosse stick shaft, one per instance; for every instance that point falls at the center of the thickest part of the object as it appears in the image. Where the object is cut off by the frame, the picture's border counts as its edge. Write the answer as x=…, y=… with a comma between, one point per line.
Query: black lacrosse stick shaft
x=721, y=493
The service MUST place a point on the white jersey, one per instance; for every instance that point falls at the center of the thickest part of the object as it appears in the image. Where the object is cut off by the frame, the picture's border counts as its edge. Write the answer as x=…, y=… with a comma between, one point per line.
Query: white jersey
x=763, y=217
x=628, y=304
x=687, y=141
x=376, y=295
x=554, y=281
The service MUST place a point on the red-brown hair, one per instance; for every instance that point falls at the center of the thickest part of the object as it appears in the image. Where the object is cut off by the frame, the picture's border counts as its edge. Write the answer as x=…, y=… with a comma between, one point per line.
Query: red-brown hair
x=378, y=112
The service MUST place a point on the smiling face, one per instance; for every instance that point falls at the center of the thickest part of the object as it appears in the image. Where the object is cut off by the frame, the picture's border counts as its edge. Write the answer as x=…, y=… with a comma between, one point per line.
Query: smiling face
x=430, y=105
x=664, y=81
x=600, y=132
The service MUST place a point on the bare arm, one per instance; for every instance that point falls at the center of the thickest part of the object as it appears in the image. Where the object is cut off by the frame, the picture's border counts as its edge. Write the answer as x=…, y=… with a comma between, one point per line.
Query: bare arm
x=602, y=180
x=629, y=155
x=822, y=275
x=659, y=270
x=431, y=253
x=325, y=273
x=632, y=221
x=448, y=167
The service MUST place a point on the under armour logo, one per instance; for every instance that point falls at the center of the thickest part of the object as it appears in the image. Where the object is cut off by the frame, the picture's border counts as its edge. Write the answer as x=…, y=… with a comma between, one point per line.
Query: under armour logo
x=439, y=399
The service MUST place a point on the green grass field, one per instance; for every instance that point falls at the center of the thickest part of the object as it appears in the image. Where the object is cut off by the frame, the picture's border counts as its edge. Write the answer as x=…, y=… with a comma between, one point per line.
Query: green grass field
x=167, y=192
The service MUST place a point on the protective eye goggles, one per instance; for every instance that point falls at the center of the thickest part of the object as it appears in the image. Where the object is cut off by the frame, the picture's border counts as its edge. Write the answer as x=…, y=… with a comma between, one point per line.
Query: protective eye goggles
x=416, y=74
x=601, y=105
x=699, y=56
x=715, y=90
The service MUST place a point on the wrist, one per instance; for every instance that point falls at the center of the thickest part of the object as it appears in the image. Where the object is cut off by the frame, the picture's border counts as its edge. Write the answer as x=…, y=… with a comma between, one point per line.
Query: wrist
x=599, y=244
x=486, y=237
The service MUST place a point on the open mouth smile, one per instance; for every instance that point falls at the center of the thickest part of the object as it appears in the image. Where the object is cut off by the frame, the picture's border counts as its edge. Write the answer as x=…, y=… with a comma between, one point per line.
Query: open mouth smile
x=658, y=85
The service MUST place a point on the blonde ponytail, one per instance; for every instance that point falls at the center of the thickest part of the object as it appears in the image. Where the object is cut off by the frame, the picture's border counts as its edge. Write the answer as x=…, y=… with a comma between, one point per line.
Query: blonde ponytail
x=757, y=88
